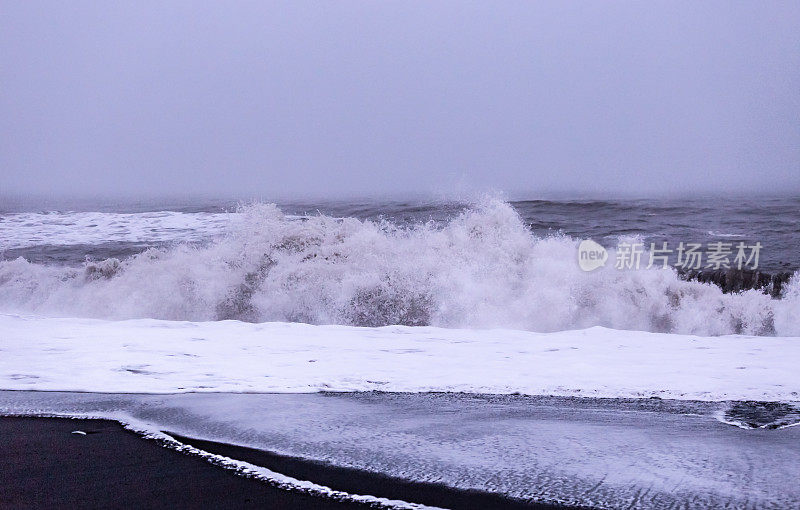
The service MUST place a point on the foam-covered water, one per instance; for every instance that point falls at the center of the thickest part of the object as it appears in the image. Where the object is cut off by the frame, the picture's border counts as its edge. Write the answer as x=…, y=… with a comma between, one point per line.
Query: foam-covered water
x=153, y=356
x=24, y=230
x=471, y=266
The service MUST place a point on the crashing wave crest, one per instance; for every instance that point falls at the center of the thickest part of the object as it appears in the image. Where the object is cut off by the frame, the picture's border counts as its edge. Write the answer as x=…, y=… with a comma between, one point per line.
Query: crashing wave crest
x=482, y=269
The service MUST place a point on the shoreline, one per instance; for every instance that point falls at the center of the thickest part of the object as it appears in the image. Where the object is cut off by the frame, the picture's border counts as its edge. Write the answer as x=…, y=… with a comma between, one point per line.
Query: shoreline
x=448, y=450
x=96, y=467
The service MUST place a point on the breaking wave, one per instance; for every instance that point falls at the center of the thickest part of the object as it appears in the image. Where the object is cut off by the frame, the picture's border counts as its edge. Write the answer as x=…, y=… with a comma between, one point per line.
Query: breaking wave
x=482, y=269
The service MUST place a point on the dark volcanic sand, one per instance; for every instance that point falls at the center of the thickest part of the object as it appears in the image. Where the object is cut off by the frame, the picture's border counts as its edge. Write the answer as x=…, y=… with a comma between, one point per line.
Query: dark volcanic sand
x=44, y=465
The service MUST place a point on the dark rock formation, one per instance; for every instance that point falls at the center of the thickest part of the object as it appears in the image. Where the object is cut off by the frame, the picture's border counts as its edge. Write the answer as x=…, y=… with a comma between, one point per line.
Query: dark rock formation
x=737, y=280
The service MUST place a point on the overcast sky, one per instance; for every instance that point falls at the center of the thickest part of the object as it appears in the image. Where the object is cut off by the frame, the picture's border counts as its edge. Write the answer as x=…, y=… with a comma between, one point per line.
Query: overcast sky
x=344, y=98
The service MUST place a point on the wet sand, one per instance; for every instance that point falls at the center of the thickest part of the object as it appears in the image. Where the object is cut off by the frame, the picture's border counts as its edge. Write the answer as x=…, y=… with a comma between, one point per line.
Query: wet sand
x=43, y=464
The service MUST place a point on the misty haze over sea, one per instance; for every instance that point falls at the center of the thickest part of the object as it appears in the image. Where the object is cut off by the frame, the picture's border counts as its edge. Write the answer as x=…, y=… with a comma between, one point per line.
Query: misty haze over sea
x=298, y=100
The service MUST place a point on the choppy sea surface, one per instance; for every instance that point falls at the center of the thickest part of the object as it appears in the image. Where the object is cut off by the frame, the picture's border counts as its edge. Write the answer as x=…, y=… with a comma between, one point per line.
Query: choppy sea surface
x=481, y=263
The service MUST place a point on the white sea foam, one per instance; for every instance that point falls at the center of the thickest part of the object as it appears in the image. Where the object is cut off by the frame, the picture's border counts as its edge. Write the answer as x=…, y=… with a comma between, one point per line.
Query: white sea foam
x=713, y=233
x=151, y=356
x=20, y=230
x=482, y=269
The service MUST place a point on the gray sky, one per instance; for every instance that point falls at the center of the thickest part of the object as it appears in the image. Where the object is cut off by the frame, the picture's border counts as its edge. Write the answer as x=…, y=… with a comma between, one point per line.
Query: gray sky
x=348, y=98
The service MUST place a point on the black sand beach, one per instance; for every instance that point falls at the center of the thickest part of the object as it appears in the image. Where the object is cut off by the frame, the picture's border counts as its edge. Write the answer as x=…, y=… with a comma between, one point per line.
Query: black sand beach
x=45, y=465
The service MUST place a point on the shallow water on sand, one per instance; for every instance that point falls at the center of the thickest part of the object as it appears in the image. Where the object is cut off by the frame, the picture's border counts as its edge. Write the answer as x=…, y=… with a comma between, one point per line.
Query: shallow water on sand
x=605, y=453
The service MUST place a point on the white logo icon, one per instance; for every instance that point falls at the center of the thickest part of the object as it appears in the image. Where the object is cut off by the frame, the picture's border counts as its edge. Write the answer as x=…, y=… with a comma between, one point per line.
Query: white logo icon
x=591, y=255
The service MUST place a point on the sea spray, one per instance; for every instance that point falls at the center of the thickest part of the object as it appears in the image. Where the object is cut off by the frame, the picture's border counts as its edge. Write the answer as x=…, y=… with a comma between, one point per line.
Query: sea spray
x=483, y=268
